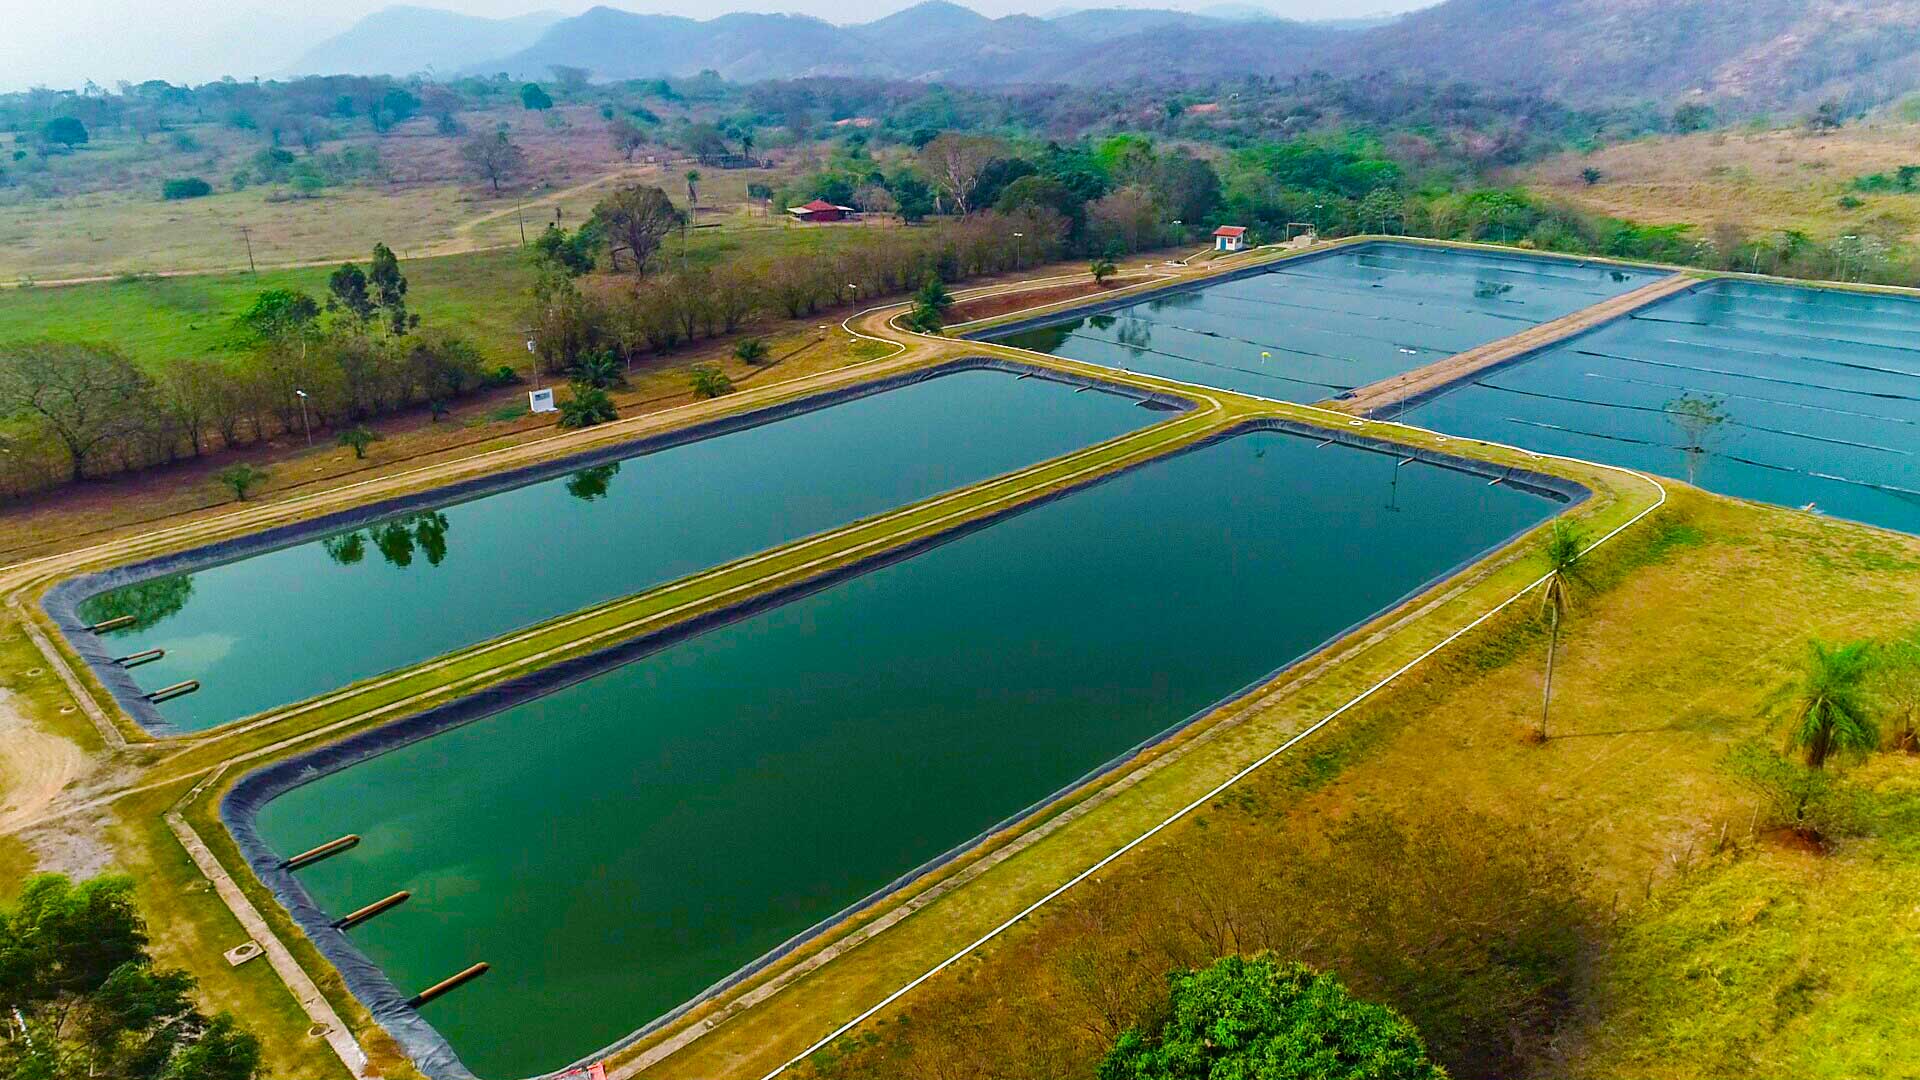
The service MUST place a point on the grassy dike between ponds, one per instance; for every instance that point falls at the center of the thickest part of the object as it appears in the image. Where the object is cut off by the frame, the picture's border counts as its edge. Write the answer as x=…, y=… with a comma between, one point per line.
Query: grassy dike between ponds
x=792, y=1003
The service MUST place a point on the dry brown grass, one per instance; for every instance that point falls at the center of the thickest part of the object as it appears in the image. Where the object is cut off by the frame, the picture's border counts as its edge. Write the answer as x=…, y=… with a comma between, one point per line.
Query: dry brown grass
x=1786, y=179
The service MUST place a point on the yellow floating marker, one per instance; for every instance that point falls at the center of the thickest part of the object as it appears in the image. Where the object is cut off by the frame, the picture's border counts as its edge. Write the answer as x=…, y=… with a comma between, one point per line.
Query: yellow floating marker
x=448, y=985
x=314, y=855
x=348, y=922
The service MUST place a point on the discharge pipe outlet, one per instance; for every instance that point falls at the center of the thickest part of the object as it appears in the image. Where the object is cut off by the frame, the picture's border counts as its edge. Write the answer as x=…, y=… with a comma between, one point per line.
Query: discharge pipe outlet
x=179, y=689
x=112, y=624
x=349, y=921
x=314, y=855
x=147, y=656
x=448, y=985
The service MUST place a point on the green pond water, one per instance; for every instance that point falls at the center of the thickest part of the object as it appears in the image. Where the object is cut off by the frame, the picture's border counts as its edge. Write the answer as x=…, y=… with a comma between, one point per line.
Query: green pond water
x=1314, y=328
x=287, y=624
x=615, y=847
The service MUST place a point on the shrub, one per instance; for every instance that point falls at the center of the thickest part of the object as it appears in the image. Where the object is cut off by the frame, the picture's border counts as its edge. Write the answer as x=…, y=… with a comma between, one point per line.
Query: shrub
x=709, y=381
x=751, y=350
x=588, y=406
x=186, y=187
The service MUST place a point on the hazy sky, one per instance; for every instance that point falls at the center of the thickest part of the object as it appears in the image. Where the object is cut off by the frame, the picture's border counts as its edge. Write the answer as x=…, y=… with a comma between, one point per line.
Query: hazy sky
x=62, y=43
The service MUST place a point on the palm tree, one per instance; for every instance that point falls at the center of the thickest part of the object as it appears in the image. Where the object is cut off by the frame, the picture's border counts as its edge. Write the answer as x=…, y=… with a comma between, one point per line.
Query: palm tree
x=1829, y=708
x=693, y=188
x=1563, y=549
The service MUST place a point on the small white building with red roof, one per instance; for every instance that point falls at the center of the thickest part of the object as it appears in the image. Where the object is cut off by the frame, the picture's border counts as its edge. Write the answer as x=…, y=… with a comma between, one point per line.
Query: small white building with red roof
x=1230, y=238
x=822, y=210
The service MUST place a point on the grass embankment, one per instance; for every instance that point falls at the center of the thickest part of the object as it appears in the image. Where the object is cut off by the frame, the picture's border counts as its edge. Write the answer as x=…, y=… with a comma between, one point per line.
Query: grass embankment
x=1764, y=181
x=1721, y=951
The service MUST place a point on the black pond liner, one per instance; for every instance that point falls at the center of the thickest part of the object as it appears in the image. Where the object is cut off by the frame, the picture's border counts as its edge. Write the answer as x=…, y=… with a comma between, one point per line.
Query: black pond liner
x=62, y=602
x=1405, y=405
x=429, y=1050
x=1054, y=318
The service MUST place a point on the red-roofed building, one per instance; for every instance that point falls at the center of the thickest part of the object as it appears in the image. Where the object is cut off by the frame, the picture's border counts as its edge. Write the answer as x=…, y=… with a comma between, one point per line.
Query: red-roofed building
x=1230, y=238
x=822, y=210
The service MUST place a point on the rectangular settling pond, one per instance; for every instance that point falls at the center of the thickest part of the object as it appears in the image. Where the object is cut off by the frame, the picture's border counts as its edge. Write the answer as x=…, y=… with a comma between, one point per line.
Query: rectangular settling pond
x=1313, y=328
x=616, y=846
x=1819, y=389
x=285, y=624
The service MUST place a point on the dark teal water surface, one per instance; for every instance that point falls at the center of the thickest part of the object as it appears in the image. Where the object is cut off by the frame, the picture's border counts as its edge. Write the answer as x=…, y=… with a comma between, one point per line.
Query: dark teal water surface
x=1819, y=390
x=616, y=846
x=288, y=624
x=1310, y=330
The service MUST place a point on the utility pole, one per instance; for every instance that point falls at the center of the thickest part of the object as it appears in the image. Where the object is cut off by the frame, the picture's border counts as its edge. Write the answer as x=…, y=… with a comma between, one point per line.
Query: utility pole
x=246, y=233
x=520, y=217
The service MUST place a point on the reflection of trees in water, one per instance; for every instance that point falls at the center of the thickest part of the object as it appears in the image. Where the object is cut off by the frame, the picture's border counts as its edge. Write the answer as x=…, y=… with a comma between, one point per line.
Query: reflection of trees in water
x=1175, y=301
x=591, y=483
x=1046, y=339
x=1102, y=322
x=1488, y=290
x=1136, y=334
x=396, y=541
x=149, y=602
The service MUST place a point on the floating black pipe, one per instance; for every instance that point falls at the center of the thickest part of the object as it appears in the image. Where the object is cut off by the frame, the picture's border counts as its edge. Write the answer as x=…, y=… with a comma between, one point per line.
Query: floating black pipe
x=448, y=984
x=179, y=689
x=314, y=855
x=349, y=921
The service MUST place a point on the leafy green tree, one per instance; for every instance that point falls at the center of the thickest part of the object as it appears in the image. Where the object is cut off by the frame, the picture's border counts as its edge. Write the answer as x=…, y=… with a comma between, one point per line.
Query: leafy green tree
x=68, y=131
x=185, y=187
x=1257, y=1019
x=635, y=219
x=570, y=253
x=241, y=479
x=1591, y=176
x=348, y=290
x=358, y=438
x=751, y=350
x=588, y=405
x=1102, y=267
x=693, y=188
x=1828, y=711
x=1692, y=116
x=930, y=306
x=534, y=98
x=1563, y=549
x=709, y=381
x=279, y=315
x=1897, y=684
x=388, y=289
x=598, y=368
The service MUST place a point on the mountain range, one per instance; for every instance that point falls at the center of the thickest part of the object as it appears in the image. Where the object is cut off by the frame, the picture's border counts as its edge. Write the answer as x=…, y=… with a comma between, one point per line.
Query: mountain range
x=1752, y=55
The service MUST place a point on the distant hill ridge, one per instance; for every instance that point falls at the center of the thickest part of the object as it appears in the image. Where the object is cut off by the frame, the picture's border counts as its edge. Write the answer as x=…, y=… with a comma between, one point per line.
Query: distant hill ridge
x=1754, y=54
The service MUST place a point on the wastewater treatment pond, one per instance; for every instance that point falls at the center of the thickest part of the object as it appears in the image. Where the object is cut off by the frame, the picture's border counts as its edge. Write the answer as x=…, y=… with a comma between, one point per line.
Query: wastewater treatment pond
x=615, y=846
x=1817, y=394
x=1312, y=328
x=285, y=624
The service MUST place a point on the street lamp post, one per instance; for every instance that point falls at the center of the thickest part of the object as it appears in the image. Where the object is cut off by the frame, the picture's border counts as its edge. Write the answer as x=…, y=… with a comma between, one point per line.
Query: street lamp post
x=1019, y=260
x=304, y=422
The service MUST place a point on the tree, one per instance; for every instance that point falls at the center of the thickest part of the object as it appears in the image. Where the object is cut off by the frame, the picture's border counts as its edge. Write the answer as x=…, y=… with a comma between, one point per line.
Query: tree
x=1591, y=176
x=1262, y=1020
x=347, y=290
x=693, y=190
x=635, y=219
x=588, y=405
x=495, y=157
x=88, y=396
x=1828, y=710
x=571, y=79
x=1699, y=418
x=185, y=187
x=570, y=253
x=751, y=350
x=953, y=163
x=625, y=136
x=1897, y=682
x=709, y=381
x=1826, y=118
x=534, y=98
x=241, y=479
x=1380, y=209
x=1102, y=268
x=389, y=289
x=930, y=306
x=68, y=131
x=1563, y=549
x=1691, y=117
x=358, y=437
x=279, y=315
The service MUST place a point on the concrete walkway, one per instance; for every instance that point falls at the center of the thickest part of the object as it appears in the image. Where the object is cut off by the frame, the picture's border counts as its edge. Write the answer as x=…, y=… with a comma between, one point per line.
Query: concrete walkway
x=1377, y=398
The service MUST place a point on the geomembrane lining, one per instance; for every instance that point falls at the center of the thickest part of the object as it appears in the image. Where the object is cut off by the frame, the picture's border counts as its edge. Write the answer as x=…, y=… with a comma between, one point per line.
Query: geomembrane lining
x=63, y=601
x=424, y=1044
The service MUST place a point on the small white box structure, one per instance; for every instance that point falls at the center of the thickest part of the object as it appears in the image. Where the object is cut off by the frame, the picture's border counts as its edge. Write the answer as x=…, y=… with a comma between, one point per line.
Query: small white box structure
x=541, y=401
x=240, y=954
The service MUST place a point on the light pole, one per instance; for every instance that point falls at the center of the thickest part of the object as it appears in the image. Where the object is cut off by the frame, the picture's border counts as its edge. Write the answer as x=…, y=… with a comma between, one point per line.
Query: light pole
x=304, y=422
x=1019, y=261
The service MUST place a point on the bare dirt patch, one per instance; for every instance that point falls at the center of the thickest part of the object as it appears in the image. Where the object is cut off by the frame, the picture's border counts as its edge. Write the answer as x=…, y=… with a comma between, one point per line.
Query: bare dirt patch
x=36, y=767
x=987, y=307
